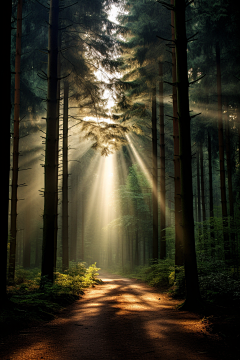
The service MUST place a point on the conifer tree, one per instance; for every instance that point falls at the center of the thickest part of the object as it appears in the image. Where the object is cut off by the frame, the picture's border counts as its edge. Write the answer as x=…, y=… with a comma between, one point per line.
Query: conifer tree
x=14, y=199
x=65, y=247
x=5, y=148
x=50, y=159
x=193, y=298
x=176, y=159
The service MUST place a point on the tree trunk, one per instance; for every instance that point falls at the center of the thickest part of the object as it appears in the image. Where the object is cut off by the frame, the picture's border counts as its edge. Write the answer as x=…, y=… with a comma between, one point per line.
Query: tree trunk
x=5, y=145
x=13, y=230
x=74, y=212
x=230, y=191
x=210, y=176
x=137, y=241
x=238, y=125
x=49, y=215
x=57, y=152
x=154, y=178
x=82, y=239
x=202, y=184
x=65, y=257
x=221, y=156
x=193, y=298
x=211, y=194
x=177, y=181
x=162, y=169
x=27, y=237
x=198, y=191
x=229, y=163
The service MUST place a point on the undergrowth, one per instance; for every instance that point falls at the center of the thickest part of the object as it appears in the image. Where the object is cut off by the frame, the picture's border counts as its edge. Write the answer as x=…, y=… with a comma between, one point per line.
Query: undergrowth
x=28, y=302
x=218, y=283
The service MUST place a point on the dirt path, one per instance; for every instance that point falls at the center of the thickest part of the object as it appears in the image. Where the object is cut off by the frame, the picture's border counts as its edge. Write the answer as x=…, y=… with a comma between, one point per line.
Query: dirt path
x=121, y=319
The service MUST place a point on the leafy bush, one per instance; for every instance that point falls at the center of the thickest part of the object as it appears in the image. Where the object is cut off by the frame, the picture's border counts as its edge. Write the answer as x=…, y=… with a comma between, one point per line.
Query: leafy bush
x=219, y=287
x=28, y=301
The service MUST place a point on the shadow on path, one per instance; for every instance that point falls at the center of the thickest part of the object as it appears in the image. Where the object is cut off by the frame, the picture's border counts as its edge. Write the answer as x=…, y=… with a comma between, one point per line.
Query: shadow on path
x=120, y=319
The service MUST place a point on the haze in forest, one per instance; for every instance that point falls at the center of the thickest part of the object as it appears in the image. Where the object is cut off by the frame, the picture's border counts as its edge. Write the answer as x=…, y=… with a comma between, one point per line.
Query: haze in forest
x=127, y=118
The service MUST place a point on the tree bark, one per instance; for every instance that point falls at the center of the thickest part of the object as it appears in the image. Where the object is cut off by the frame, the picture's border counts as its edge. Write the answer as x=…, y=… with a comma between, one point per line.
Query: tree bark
x=74, y=213
x=65, y=257
x=211, y=213
x=27, y=237
x=229, y=163
x=5, y=145
x=82, y=239
x=230, y=191
x=162, y=185
x=154, y=178
x=221, y=156
x=202, y=184
x=193, y=298
x=198, y=189
x=57, y=152
x=13, y=229
x=49, y=215
x=177, y=181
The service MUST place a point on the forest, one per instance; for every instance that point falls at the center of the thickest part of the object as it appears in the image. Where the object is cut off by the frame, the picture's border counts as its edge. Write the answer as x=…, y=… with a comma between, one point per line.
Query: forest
x=123, y=127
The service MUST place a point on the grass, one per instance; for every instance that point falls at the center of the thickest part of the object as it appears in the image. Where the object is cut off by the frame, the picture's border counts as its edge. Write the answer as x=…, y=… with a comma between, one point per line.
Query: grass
x=28, y=304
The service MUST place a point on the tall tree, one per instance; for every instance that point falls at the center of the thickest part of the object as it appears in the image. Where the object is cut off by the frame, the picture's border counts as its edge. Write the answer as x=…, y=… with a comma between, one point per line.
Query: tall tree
x=193, y=298
x=162, y=185
x=14, y=199
x=210, y=181
x=221, y=155
x=5, y=146
x=65, y=250
x=177, y=180
x=50, y=148
x=154, y=178
x=204, y=217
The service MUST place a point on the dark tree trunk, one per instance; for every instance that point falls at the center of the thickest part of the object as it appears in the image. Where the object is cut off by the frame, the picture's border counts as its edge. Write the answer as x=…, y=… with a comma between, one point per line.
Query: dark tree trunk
x=193, y=298
x=65, y=257
x=230, y=191
x=57, y=152
x=210, y=176
x=198, y=195
x=137, y=242
x=154, y=178
x=5, y=145
x=82, y=239
x=27, y=237
x=13, y=229
x=199, y=218
x=229, y=163
x=49, y=215
x=162, y=170
x=221, y=156
x=238, y=124
x=177, y=180
x=202, y=184
x=74, y=212
x=211, y=194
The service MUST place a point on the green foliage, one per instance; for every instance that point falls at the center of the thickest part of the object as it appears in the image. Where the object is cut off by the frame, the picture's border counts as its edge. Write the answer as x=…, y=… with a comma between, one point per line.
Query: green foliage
x=158, y=275
x=29, y=302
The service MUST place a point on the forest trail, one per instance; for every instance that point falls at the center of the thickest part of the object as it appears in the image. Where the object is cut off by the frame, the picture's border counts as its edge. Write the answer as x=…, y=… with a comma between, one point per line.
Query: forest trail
x=119, y=319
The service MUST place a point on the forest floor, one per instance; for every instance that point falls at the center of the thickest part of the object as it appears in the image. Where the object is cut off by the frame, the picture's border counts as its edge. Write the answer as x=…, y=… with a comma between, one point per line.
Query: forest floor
x=122, y=319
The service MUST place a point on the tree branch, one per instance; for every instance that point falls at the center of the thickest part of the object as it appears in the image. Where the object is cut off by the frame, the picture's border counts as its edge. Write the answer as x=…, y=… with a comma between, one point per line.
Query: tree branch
x=200, y=78
x=166, y=5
